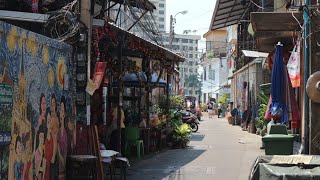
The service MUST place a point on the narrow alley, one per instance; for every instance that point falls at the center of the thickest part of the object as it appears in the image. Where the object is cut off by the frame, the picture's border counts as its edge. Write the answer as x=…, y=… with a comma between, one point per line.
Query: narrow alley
x=217, y=151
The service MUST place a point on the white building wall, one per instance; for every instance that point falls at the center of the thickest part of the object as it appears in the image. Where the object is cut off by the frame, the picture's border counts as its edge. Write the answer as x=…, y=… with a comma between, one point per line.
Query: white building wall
x=210, y=86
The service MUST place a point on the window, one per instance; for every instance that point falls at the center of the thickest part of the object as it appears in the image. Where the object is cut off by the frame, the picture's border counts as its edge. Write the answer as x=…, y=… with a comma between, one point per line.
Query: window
x=191, y=71
x=176, y=40
x=161, y=19
x=209, y=45
x=190, y=48
x=184, y=40
x=190, y=63
x=190, y=41
x=196, y=48
x=161, y=26
x=190, y=92
x=185, y=70
x=196, y=41
x=212, y=74
x=161, y=5
x=161, y=12
x=190, y=55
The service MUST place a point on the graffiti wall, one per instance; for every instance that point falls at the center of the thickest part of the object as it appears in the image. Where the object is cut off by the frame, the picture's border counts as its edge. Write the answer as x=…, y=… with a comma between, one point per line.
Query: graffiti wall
x=37, y=108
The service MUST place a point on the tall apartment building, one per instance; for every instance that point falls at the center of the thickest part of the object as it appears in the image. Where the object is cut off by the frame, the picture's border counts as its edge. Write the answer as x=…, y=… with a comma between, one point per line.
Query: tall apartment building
x=186, y=45
x=160, y=14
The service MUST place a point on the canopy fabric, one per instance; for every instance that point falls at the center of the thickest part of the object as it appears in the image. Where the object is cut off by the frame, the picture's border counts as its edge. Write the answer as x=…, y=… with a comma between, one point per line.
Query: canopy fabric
x=154, y=78
x=136, y=79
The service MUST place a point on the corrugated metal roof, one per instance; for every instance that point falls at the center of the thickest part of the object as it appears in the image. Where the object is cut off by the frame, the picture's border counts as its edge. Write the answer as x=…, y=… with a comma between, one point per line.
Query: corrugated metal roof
x=168, y=53
x=227, y=13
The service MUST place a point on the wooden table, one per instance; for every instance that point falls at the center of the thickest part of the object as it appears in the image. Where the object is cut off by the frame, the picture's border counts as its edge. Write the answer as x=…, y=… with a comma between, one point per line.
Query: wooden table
x=82, y=167
x=110, y=159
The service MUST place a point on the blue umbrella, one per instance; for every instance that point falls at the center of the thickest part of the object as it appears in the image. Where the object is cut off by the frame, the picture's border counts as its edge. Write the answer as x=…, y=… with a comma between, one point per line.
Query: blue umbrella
x=278, y=105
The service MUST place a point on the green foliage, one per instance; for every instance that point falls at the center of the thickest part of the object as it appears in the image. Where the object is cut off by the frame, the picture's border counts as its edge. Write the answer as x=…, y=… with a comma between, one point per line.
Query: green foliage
x=203, y=107
x=174, y=120
x=175, y=101
x=223, y=99
x=210, y=54
x=262, y=110
x=182, y=132
x=193, y=81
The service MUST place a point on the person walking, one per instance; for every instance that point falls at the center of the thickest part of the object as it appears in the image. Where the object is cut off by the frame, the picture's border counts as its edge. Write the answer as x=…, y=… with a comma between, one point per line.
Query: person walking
x=219, y=109
x=210, y=109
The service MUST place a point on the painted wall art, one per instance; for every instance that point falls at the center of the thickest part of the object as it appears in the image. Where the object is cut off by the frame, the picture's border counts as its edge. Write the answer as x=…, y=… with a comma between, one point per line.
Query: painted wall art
x=35, y=110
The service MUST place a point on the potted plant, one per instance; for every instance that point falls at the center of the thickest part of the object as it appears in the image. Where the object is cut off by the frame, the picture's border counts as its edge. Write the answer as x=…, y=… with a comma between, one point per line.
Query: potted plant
x=181, y=136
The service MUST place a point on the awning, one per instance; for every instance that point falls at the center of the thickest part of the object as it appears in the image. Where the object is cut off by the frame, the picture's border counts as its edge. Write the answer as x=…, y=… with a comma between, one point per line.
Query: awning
x=272, y=27
x=227, y=13
x=155, y=51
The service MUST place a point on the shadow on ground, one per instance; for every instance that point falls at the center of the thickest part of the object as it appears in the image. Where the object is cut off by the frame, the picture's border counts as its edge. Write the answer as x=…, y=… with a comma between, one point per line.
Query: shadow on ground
x=166, y=165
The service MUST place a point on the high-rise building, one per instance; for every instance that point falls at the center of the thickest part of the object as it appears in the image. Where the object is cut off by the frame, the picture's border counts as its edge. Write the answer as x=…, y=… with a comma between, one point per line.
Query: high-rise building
x=160, y=14
x=187, y=46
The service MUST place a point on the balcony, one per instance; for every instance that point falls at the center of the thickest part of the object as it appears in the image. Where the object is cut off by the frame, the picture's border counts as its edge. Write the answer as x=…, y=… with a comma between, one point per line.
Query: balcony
x=272, y=27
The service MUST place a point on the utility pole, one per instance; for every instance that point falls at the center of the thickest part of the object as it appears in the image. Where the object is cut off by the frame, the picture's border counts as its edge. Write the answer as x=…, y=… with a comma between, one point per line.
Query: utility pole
x=86, y=17
x=306, y=68
x=171, y=32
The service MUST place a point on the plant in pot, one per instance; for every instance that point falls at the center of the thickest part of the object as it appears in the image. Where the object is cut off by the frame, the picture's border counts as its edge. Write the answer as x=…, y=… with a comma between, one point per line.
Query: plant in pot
x=181, y=136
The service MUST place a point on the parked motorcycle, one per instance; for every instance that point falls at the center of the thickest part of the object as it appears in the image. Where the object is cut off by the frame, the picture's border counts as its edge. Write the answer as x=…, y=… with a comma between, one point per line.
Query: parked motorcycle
x=196, y=112
x=191, y=119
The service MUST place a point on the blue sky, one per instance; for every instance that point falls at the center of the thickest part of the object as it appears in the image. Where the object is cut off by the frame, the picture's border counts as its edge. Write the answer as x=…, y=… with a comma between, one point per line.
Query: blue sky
x=198, y=16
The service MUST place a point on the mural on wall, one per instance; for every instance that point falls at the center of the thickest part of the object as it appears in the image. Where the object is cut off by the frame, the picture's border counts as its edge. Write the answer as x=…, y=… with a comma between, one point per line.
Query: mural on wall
x=39, y=111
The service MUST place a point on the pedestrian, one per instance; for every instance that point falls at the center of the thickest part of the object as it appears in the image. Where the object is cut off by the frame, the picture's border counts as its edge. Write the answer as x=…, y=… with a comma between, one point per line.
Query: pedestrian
x=235, y=113
x=210, y=109
x=219, y=109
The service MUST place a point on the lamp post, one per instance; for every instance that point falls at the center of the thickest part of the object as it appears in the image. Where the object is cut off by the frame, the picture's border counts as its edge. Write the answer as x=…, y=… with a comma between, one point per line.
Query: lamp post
x=172, y=23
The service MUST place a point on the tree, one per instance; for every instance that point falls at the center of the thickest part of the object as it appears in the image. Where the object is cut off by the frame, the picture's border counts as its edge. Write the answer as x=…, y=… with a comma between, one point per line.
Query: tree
x=193, y=81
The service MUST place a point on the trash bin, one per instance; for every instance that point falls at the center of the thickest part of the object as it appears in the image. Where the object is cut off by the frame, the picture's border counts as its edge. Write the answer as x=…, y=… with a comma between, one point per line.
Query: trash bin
x=278, y=144
x=278, y=129
x=291, y=168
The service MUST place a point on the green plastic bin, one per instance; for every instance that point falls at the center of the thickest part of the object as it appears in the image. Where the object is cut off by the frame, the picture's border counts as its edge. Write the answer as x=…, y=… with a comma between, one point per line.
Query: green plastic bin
x=278, y=129
x=278, y=144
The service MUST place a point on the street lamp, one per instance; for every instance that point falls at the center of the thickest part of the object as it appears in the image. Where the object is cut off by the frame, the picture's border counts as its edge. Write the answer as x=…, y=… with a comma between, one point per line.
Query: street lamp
x=172, y=22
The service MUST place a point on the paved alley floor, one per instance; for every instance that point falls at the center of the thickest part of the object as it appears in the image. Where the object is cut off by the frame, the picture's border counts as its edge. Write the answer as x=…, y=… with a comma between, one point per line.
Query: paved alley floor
x=218, y=151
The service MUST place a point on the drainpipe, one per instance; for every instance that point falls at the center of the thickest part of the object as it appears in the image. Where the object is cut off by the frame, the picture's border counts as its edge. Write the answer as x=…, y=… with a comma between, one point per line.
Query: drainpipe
x=306, y=58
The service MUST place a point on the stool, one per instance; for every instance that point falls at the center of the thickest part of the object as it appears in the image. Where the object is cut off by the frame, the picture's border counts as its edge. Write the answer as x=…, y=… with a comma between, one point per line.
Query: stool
x=132, y=138
x=82, y=167
x=139, y=145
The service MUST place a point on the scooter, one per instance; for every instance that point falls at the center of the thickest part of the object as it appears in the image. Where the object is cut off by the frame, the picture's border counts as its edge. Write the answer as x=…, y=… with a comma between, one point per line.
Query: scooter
x=191, y=119
x=196, y=112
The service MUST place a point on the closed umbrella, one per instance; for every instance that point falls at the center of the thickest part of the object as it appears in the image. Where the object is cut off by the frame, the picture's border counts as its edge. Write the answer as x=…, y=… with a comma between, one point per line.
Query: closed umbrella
x=278, y=106
x=282, y=104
